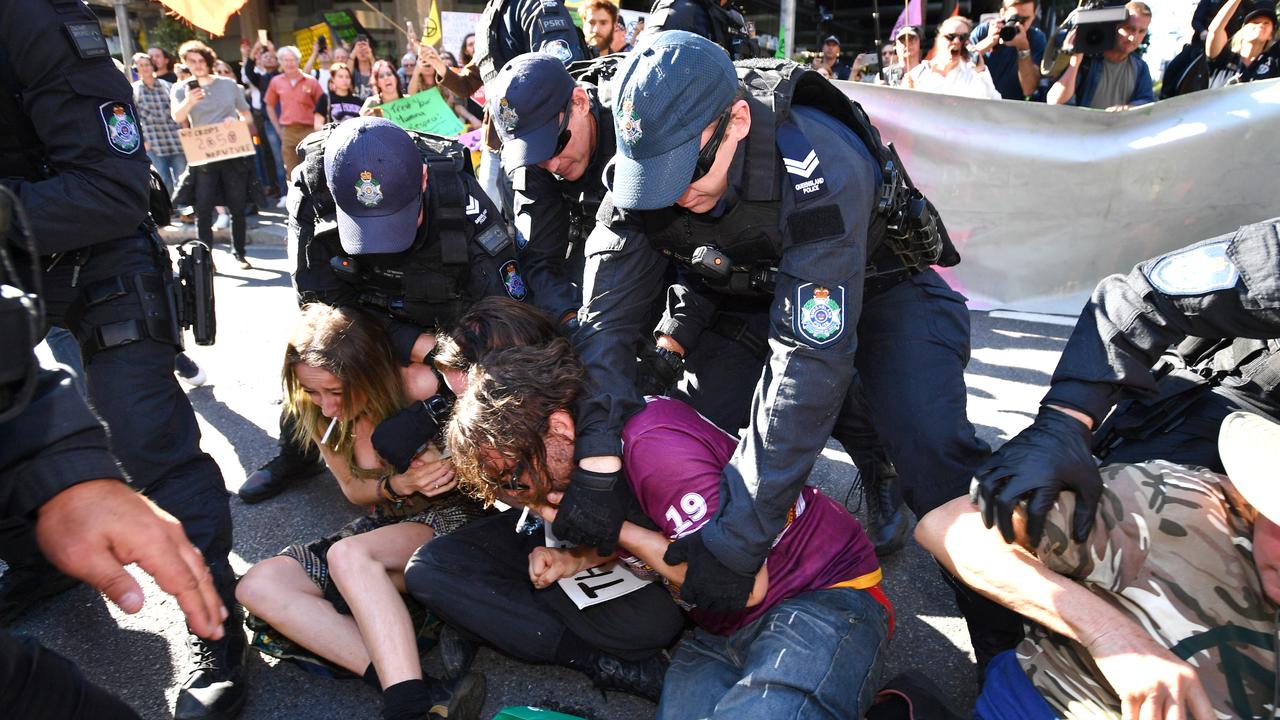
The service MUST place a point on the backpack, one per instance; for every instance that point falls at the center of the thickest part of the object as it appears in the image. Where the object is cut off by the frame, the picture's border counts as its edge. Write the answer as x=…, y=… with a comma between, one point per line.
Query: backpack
x=598, y=72
x=1187, y=72
x=906, y=220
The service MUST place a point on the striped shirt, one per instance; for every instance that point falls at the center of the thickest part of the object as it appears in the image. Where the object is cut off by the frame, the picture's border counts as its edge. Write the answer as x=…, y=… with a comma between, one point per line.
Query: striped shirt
x=158, y=127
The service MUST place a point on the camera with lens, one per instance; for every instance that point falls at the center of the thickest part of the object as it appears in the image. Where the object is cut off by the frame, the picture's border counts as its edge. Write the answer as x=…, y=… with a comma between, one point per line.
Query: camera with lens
x=1010, y=29
x=194, y=291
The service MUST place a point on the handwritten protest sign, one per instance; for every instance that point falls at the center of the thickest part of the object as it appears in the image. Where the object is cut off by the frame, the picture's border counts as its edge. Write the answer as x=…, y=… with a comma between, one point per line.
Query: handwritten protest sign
x=211, y=143
x=426, y=111
x=456, y=27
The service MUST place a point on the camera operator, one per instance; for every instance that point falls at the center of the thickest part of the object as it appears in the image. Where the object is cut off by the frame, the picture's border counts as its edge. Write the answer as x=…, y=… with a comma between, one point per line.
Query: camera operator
x=1116, y=80
x=1012, y=49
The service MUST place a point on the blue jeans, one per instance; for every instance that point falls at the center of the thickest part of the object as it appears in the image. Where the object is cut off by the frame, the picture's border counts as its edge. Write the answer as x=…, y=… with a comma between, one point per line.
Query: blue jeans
x=1007, y=693
x=273, y=138
x=817, y=655
x=170, y=168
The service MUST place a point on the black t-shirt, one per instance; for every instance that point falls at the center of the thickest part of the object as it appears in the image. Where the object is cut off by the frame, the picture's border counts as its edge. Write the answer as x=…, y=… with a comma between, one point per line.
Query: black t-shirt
x=337, y=108
x=1229, y=69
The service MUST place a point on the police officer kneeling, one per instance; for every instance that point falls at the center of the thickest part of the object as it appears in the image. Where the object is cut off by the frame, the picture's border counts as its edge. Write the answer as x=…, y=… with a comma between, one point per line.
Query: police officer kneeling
x=765, y=184
x=396, y=225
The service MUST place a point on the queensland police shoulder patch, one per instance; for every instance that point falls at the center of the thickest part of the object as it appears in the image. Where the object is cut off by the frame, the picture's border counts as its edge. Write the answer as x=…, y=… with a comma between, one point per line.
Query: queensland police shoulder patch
x=819, y=313
x=560, y=49
x=1194, y=271
x=121, y=126
x=513, y=281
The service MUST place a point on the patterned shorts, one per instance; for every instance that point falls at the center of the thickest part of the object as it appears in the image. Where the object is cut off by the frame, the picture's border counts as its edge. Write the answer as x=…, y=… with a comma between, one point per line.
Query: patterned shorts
x=444, y=516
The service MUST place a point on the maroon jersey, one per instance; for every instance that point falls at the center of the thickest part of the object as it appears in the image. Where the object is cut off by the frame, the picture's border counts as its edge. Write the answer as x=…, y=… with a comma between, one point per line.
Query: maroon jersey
x=673, y=457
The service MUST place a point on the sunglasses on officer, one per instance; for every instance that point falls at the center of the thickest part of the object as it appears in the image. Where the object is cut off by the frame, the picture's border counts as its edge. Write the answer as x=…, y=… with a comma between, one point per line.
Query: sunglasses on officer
x=707, y=155
x=562, y=140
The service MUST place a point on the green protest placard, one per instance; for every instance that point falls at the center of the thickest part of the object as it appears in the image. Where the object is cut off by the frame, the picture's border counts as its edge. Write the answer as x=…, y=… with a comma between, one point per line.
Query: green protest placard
x=426, y=111
x=345, y=26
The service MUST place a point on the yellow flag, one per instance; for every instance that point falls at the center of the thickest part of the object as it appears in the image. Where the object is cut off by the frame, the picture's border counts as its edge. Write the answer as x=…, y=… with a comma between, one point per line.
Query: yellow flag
x=432, y=31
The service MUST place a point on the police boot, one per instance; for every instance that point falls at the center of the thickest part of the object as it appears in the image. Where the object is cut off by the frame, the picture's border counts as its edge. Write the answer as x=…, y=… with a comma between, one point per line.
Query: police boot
x=287, y=468
x=457, y=653
x=887, y=522
x=216, y=689
x=641, y=678
x=27, y=582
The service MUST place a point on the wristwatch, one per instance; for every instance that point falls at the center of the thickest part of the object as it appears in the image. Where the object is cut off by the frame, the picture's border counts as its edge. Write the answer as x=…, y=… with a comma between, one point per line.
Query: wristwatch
x=671, y=358
x=1024, y=54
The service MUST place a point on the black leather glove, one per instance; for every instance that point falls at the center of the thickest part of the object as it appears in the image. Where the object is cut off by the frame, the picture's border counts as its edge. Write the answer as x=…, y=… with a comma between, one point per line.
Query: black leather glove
x=657, y=370
x=592, y=509
x=403, y=436
x=1050, y=456
x=707, y=582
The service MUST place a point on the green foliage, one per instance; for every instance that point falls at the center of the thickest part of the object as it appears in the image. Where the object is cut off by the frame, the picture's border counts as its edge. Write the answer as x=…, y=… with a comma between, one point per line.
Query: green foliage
x=169, y=32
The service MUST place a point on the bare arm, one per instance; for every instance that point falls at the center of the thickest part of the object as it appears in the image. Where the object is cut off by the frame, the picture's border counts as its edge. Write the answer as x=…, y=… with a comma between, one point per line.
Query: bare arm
x=1143, y=673
x=1028, y=74
x=1218, y=38
x=650, y=546
x=1064, y=88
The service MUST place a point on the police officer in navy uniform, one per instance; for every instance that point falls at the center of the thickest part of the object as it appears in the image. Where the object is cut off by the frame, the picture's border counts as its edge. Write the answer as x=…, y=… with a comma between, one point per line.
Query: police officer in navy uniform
x=720, y=21
x=411, y=240
x=57, y=470
x=412, y=249
x=770, y=209
x=72, y=150
x=1216, y=305
x=557, y=137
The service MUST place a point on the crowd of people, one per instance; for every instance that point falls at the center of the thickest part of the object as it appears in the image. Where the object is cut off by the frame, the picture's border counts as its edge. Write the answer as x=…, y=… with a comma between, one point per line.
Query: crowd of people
x=578, y=393
x=1232, y=42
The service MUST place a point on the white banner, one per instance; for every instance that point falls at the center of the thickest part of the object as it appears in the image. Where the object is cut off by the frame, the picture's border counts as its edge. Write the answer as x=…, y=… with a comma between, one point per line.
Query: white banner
x=1045, y=201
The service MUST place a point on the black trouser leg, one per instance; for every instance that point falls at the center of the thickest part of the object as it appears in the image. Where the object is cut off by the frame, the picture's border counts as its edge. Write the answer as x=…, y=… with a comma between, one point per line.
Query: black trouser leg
x=39, y=684
x=206, y=177
x=234, y=175
x=153, y=429
x=477, y=580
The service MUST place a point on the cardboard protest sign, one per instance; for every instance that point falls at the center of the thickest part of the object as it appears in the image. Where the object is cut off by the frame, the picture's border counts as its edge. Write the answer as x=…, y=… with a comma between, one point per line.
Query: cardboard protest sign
x=472, y=140
x=426, y=111
x=211, y=143
x=305, y=39
x=456, y=27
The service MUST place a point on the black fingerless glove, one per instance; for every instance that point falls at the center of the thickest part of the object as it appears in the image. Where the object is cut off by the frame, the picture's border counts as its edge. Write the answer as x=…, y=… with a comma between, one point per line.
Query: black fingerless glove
x=592, y=509
x=403, y=436
x=1050, y=456
x=708, y=584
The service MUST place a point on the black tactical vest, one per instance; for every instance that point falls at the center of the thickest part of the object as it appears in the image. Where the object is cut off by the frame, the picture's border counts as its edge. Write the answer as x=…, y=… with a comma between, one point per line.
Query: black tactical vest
x=425, y=285
x=22, y=155
x=749, y=234
x=722, y=25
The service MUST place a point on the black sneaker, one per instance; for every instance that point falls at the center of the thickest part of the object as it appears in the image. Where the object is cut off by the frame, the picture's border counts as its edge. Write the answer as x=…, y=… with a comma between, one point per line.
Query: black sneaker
x=277, y=475
x=216, y=686
x=188, y=371
x=887, y=521
x=25, y=584
x=458, y=699
x=642, y=679
x=457, y=652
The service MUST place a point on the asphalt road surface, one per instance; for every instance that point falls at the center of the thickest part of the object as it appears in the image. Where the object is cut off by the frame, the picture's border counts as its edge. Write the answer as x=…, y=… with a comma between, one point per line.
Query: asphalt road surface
x=141, y=657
